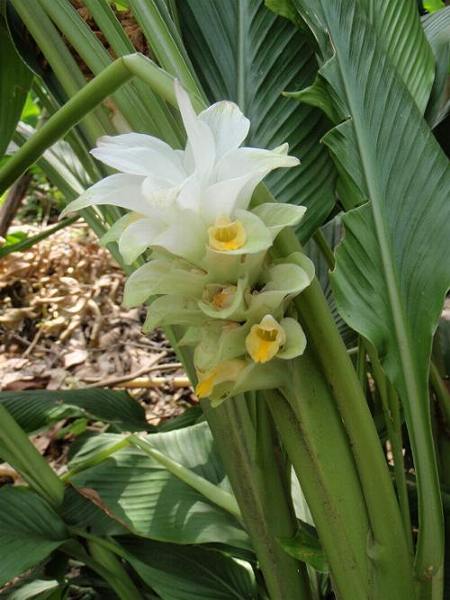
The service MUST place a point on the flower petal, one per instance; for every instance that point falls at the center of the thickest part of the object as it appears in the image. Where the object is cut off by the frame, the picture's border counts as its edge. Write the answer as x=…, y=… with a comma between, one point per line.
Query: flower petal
x=258, y=236
x=282, y=283
x=185, y=237
x=224, y=302
x=163, y=277
x=256, y=163
x=159, y=192
x=224, y=197
x=295, y=339
x=200, y=137
x=277, y=216
x=116, y=230
x=228, y=125
x=140, y=154
x=173, y=310
x=139, y=236
x=116, y=190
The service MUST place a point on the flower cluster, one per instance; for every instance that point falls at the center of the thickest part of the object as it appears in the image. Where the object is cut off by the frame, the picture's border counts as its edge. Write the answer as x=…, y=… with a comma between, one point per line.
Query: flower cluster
x=210, y=271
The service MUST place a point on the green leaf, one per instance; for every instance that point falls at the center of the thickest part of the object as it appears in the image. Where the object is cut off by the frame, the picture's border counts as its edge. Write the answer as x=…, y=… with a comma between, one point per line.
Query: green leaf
x=245, y=53
x=144, y=497
x=36, y=409
x=15, y=81
x=192, y=573
x=30, y=111
x=437, y=30
x=399, y=32
x=39, y=587
x=306, y=547
x=29, y=531
x=433, y=5
x=392, y=267
x=333, y=233
x=143, y=110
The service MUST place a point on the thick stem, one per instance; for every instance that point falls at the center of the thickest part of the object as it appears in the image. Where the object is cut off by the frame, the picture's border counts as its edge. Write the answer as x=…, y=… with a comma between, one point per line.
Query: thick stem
x=312, y=432
x=326, y=343
x=324, y=339
x=244, y=435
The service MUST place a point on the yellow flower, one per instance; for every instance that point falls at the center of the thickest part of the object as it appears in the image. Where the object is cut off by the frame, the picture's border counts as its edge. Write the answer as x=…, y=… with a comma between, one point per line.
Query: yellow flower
x=221, y=373
x=265, y=339
x=226, y=235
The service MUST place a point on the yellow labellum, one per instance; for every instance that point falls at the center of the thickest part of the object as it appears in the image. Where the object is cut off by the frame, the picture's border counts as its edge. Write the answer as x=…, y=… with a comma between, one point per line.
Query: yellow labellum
x=225, y=371
x=226, y=235
x=265, y=339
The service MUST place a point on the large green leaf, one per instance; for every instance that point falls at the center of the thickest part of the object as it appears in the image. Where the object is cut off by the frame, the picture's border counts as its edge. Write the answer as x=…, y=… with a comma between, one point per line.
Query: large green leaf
x=141, y=494
x=15, y=81
x=392, y=267
x=190, y=573
x=36, y=409
x=437, y=30
x=399, y=32
x=29, y=531
x=243, y=52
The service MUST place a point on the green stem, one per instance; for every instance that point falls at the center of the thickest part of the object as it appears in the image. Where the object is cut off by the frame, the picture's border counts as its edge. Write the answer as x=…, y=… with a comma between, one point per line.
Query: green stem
x=246, y=440
x=98, y=458
x=442, y=394
x=34, y=239
x=94, y=92
x=210, y=491
x=19, y=452
x=115, y=573
x=323, y=337
x=361, y=365
x=63, y=64
x=391, y=411
x=103, y=562
x=312, y=432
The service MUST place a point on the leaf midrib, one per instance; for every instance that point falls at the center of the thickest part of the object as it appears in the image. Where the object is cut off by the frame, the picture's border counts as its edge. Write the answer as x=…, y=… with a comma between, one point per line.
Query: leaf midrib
x=402, y=337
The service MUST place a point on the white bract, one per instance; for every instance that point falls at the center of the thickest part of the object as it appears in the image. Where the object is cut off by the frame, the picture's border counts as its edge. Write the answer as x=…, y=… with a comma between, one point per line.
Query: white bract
x=184, y=200
x=210, y=272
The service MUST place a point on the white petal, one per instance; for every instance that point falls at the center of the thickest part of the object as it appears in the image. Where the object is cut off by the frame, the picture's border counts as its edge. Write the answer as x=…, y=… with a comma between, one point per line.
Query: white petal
x=140, y=154
x=159, y=192
x=222, y=198
x=254, y=160
x=116, y=230
x=116, y=190
x=191, y=194
x=254, y=164
x=185, y=237
x=137, y=237
x=200, y=137
x=228, y=125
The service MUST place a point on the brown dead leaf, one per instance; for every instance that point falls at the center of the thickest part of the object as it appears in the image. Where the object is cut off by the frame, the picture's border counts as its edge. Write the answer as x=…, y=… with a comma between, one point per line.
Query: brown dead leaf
x=75, y=358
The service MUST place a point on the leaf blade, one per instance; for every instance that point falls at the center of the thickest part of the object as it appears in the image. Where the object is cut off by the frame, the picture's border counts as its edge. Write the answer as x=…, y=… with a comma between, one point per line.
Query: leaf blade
x=391, y=275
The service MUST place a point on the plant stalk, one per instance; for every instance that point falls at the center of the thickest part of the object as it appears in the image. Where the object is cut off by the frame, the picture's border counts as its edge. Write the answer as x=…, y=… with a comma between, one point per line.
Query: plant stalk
x=246, y=440
x=311, y=430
